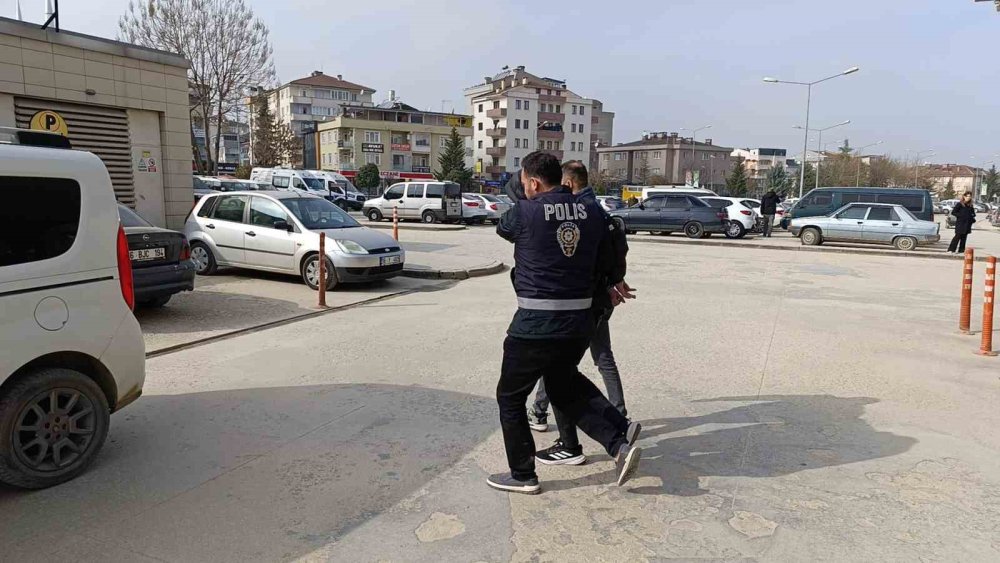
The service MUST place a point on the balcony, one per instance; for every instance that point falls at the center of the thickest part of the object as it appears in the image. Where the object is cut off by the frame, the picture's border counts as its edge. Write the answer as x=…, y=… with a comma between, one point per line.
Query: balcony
x=495, y=169
x=422, y=147
x=497, y=113
x=544, y=116
x=557, y=154
x=548, y=98
x=497, y=133
x=420, y=169
x=346, y=146
x=496, y=151
x=551, y=134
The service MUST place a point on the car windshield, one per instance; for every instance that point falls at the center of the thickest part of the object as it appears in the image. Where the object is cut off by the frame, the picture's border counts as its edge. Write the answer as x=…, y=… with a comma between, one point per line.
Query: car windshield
x=130, y=218
x=314, y=184
x=317, y=213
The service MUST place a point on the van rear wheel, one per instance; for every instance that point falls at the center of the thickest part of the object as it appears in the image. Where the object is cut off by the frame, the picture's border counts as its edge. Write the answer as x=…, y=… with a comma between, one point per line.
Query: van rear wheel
x=53, y=423
x=428, y=217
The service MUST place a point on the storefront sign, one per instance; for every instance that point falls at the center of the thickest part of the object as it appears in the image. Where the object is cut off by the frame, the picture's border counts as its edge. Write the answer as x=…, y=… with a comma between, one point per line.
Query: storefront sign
x=389, y=174
x=372, y=147
x=49, y=121
x=402, y=147
x=422, y=169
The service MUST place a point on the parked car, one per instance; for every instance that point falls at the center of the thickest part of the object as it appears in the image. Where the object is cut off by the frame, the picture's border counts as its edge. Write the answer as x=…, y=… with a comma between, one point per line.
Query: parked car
x=610, y=203
x=491, y=204
x=754, y=204
x=73, y=351
x=740, y=217
x=874, y=223
x=668, y=213
x=161, y=260
x=429, y=202
x=278, y=231
x=823, y=201
x=506, y=199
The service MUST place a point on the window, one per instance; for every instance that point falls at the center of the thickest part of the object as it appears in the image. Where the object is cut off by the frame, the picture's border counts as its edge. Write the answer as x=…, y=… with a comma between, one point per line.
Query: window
x=818, y=199
x=883, y=214
x=655, y=171
x=557, y=145
x=606, y=157
x=434, y=191
x=526, y=102
x=395, y=192
x=230, y=207
x=265, y=213
x=280, y=181
x=854, y=198
x=695, y=201
x=538, y=90
x=443, y=139
x=518, y=104
x=517, y=161
x=526, y=124
x=42, y=220
x=480, y=108
x=517, y=124
x=398, y=160
x=704, y=156
x=541, y=145
x=548, y=144
x=911, y=202
x=371, y=158
x=549, y=91
x=677, y=202
x=415, y=190
x=619, y=156
x=654, y=203
x=496, y=104
x=581, y=110
x=480, y=128
x=716, y=203
x=656, y=155
x=574, y=110
x=524, y=143
x=580, y=128
x=373, y=136
x=558, y=108
x=854, y=212
x=517, y=143
x=573, y=127
x=572, y=146
x=480, y=144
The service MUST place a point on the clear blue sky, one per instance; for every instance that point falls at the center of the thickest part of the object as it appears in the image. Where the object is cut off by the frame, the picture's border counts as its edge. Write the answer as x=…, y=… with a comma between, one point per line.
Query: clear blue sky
x=929, y=67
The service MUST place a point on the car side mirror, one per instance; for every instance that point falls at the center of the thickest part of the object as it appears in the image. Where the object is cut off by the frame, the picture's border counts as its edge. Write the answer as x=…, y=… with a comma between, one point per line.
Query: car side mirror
x=283, y=226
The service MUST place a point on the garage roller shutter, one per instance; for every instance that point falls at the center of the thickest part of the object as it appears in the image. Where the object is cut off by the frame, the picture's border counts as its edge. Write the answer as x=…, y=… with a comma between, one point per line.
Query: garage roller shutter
x=100, y=130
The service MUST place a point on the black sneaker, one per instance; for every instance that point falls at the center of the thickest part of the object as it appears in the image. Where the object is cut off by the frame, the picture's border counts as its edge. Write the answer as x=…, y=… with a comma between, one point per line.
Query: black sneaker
x=559, y=454
x=632, y=434
x=538, y=422
x=505, y=482
x=627, y=462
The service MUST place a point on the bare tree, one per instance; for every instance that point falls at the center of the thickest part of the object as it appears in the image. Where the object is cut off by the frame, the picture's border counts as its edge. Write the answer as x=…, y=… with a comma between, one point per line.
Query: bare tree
x=229, y=49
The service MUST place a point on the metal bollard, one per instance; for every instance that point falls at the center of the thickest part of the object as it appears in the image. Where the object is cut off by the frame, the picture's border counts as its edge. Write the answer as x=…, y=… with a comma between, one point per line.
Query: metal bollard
x=986, y=346
x=322, y=269
x=395, y=223
x=966, y=312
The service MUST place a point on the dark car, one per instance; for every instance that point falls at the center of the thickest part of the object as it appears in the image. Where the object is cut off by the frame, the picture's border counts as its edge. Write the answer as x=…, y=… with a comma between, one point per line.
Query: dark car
x=823, y=201
x=161, y=260
x=666, y=213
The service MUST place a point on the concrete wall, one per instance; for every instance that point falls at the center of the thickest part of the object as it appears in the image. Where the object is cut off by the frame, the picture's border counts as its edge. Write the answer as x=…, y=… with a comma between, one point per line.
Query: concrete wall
x=151, y=85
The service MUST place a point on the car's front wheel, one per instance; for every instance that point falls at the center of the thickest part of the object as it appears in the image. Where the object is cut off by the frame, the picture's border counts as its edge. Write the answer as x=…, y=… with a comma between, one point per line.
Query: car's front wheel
x=204, y=260
x=905, y=243
x=811, y=237
x=374, y=214
x=310, y=273
x=52, y=424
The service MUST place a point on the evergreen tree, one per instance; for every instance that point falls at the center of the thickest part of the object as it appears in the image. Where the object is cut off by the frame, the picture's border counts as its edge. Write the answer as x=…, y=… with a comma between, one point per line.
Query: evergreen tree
x=737, y=181
x=451, y=162
x=992, y=181
x=777, y=179
x=273, y=142
x=949, y=190
x=810, y=182
x=368, y=176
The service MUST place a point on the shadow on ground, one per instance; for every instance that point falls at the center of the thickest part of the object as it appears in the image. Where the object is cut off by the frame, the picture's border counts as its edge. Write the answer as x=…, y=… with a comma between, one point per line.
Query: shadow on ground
x=253, y=474
x=786, y=434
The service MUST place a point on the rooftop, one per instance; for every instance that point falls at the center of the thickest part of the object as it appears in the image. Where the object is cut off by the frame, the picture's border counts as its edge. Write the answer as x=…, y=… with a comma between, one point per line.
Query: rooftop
x=321, y=80
x=659, y=140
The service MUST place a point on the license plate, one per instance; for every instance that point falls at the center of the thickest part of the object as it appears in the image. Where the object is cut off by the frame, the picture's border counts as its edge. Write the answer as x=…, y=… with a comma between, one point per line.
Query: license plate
x=147, y=254
x=389, y=260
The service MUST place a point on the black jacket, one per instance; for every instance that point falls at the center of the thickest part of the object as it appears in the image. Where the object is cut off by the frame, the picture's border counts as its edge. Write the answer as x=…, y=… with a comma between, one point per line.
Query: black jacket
x=613, y=271
x=769, y=204
x=965, y=216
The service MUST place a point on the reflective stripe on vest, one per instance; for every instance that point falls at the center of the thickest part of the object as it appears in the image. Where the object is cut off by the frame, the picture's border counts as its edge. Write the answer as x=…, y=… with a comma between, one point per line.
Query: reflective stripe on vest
x=554, y=304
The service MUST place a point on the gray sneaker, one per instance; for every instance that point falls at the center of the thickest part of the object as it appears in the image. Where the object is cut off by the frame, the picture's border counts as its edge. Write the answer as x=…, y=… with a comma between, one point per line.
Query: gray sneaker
x=505, y=482
x=538, y=422
x=627, y=462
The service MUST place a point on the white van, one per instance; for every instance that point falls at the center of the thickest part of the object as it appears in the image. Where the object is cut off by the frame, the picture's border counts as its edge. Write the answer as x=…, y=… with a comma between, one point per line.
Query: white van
x=72, y=350
x=429, y=202
x=346, y=195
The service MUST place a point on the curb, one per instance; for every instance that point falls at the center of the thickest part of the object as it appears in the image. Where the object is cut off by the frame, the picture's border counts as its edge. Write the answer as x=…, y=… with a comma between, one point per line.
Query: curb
x=431, y=274
x=803, y=248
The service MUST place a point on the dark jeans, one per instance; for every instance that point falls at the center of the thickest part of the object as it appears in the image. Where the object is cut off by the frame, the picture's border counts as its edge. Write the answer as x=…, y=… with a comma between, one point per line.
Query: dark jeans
x=768, y=224
x=604, y=359
x=958, y=243
x=577, y=398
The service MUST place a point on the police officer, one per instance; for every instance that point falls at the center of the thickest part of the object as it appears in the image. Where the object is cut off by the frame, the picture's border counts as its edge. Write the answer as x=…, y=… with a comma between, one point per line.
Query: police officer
x=559, y=241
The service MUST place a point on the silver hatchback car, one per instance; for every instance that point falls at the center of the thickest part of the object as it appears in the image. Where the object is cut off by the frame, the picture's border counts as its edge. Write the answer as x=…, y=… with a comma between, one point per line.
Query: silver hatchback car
x=278, y=231
x=872, y=223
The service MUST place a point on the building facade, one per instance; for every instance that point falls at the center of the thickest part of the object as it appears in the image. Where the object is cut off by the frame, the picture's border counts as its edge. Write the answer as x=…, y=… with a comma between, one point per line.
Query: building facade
x=963, y=178
x=677, y=159
x=401, y=140
x=126, y=104
x=602, y=134
x=515, y=113
x=759, y=162
x=304, y=103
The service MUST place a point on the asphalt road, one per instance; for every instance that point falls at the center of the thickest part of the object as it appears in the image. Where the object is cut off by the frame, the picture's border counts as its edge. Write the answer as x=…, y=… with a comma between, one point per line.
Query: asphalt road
x=797, y=406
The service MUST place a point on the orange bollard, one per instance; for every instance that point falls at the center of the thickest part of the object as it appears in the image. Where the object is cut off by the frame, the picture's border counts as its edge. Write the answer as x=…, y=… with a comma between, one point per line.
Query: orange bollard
x=966, y=312
x=395, y=223
x=322, y=269
x=986, y=347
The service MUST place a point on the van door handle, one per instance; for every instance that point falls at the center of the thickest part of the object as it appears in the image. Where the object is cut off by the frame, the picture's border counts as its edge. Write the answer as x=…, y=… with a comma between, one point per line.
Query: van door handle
x=251, y=233
x=861, y=222
x=210, y=226
x=895, y=224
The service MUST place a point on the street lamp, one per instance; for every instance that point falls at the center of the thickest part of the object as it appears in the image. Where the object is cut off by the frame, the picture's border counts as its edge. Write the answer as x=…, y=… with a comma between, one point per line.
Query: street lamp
x=694, y=134
x=819, y=147
x=858, y=182
x=805, y=139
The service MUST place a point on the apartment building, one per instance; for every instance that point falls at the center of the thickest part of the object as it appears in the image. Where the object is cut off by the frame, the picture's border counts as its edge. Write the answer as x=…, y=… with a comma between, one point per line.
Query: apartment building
x=760, y=161
x=602, y=131
x=302, y=104
x=677, y=159
x=963, y=178
x=403, y=141
x=515, y=113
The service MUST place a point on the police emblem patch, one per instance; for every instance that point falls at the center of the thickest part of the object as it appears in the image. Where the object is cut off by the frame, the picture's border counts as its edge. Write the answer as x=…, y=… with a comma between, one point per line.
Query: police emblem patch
x=568, y=235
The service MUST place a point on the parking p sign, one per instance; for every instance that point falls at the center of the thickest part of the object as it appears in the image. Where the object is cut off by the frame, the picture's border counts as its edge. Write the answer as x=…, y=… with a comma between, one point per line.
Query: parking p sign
x=50, y=121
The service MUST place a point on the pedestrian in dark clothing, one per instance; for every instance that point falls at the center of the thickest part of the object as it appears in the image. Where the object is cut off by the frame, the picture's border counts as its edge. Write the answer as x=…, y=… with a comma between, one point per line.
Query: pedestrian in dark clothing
x=768, y=209
x=559, y=244
x=965, y=216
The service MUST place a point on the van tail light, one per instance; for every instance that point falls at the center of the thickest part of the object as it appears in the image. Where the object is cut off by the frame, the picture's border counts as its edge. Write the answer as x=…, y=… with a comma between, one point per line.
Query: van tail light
x=125, y=270
x=493, y=206
x=746, y=212
x=471, y=204
x=185, y=250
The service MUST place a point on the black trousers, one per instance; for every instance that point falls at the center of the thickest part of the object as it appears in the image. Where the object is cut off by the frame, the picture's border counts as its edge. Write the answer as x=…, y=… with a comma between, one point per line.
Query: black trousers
x=578, y=400
x=958, y=243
